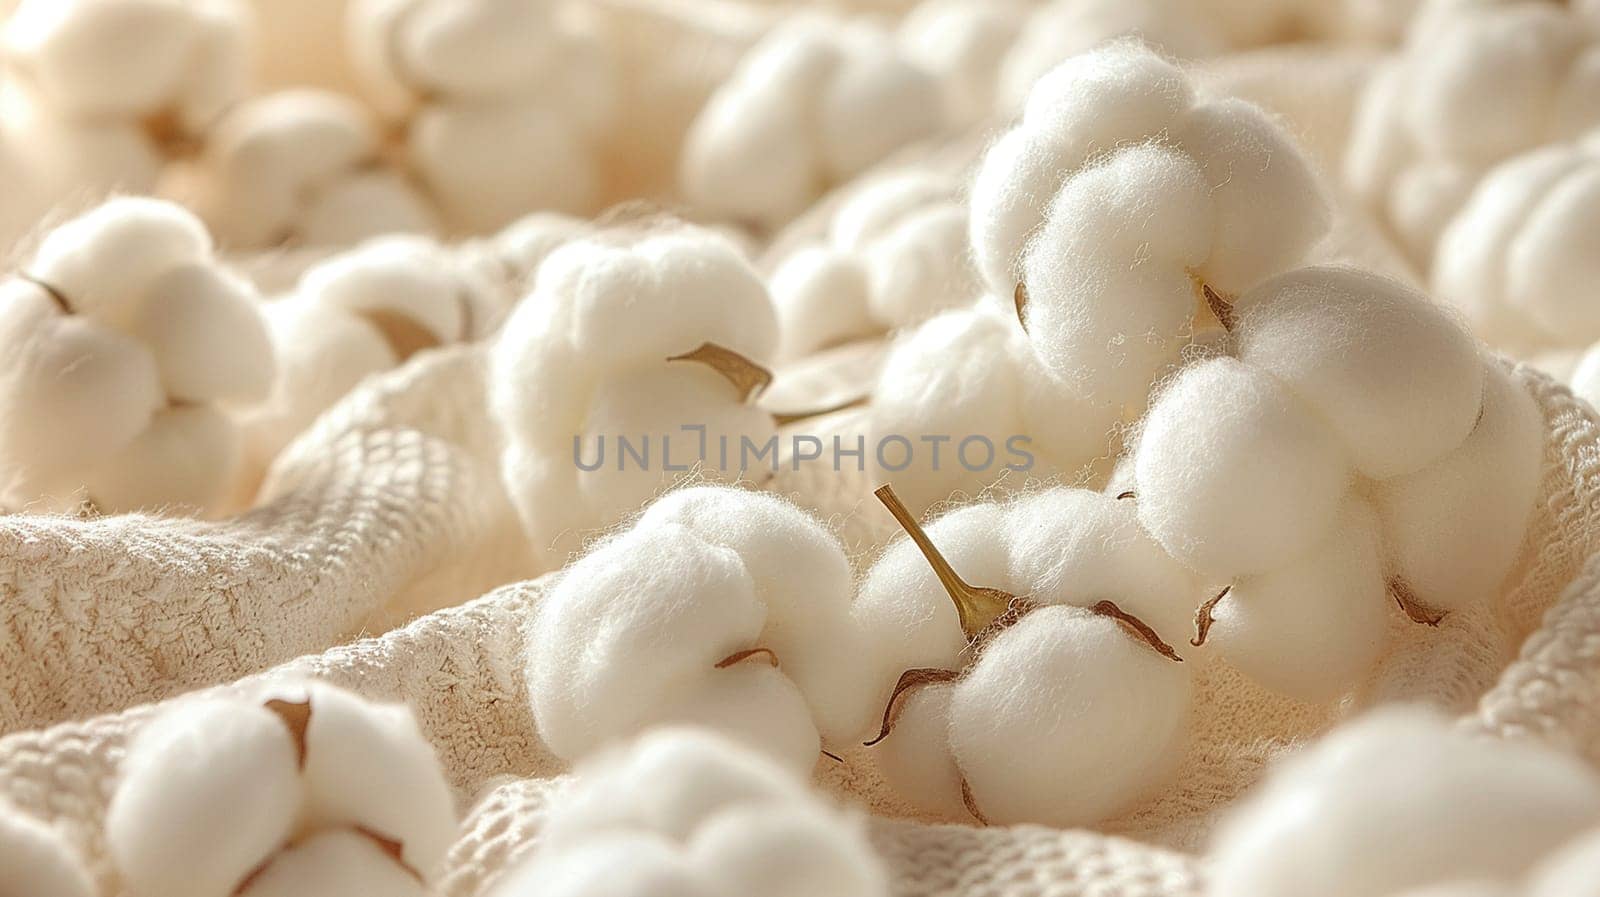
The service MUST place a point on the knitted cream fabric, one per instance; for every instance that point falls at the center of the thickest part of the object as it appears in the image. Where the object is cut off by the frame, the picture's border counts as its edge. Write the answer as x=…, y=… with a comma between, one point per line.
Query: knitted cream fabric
x=460, y=668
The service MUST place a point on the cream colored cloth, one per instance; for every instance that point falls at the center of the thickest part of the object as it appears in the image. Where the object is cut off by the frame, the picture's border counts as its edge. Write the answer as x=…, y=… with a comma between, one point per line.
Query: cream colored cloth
x=461, y=669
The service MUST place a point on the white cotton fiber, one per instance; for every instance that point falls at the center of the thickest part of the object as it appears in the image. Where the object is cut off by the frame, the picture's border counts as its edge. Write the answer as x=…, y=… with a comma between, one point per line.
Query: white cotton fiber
x=37, y=860
x=216, y=773
x=921, y=266
x=185, y=458
x=754, y=705
x=1236, y=475
x=1066, y=719
x=117, y=250
x=205, y=328
x=368, y=766
x=73, y=392
x=393, y=282
x=813, y=104
x=1454, y=528
x=822, y=299
x=332, y=863
x=1312, y=628
x=681, y=811
x=916, y=761
x=1395, y=375
x=1400, y=800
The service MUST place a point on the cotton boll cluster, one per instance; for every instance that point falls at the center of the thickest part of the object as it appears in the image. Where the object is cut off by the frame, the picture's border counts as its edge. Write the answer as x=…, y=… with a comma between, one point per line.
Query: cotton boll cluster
x=297, y=789
x=1357, y=445
x=650, y=336
x=300, y=167
x=503, y=102
x=1060, y=29
x=812, y=105
x=1476, y=86
x=1519, y=258
x=1399, y=803
x=963, y=402
x=37, y=860
x=1126, y=212
x=110, y=88
x=683, y=813
x=719, y=607
x=127, y=346
x=895, y=254
x=1043, y=686
x=358, y=313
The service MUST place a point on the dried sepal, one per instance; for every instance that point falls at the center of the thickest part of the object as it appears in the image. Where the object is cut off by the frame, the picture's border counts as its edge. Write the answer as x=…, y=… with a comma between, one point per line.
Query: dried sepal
x=741, y=656
x=909, y=680
x=1204, y=618
x=1220, y=307
x=1019, y=298
x=971, y=802
x=1414, y=609
x=1139, y=627
x=1126, y=495
x=976, y=606
x=747, y=377
x=296, y=717
x=391, y=848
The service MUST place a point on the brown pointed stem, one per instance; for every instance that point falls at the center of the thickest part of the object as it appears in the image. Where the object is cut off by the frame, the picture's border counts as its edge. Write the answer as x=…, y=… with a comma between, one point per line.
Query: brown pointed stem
x=1123, y=496
x=977, y=607
x=1020, y=299
x=909, y=680
x=740, y=656
x=296, y=717
x=1219, y=306
x=747, y=377
x=1142, y=629
x=1416, y=610
x=1203, y=618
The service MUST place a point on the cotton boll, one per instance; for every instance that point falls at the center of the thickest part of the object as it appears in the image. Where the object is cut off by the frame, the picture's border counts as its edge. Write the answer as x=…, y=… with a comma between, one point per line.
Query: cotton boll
x=401, y=285
x=620, y=864
x=1454, y=528
x=523, y=245
x=71, y=392
x=921, y=267
x=916, y=762
x=1313, y=627
x=1550, y=267
x=368, y=766
x=334, y=863
x=1570, y=871
x=822, y=300
x=1109, y=290
x=1392, y=373
x=37, y=860
x=184, y=458
x=874, y=105
x=488, y=163
x=795, y=854
x=117, y=250
x=1078, y=547
x=1235, y=474
x=217, y=773
x=963, y=42
x=207, y=335
x=748, y=157
x=756, y=705
x=473, y=49
x=1401, y=800
x=1269, y=207
x=1027, y=761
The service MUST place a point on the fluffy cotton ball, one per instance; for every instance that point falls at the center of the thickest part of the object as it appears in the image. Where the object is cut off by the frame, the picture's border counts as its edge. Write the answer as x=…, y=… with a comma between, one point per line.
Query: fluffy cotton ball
x=1393, y=374
x=730, y=571
x=683, y=813
x=812, y=105
x=133, y=59
x=1471, y=88
x=1453, y=529
x=1237, y=475
x=1518, y=256
x=584, y=363
x=304, y=785
x=1058, y=30
x=1399, y=800
x=37, y=860
x=1119, y=198
x=1312, y=628
x=127, y=337
x=301, y=167
x=964, y=43
x=503, y=100
x=896, y=254
x=1065, y=717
